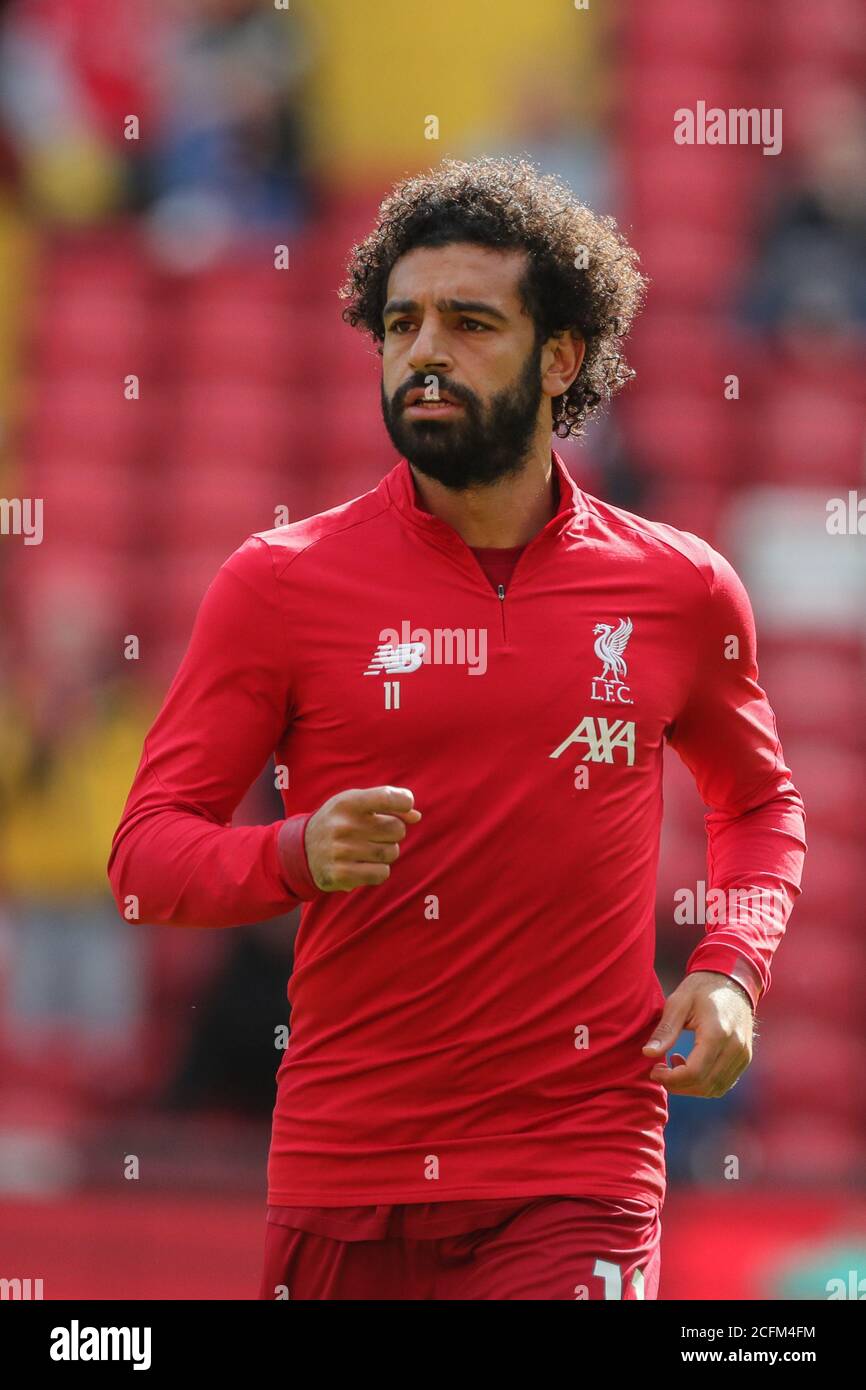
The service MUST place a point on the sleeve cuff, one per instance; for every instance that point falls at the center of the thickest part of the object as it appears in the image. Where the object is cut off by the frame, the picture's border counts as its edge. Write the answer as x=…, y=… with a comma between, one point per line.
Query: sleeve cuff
x=292, y=857
x=726, y=961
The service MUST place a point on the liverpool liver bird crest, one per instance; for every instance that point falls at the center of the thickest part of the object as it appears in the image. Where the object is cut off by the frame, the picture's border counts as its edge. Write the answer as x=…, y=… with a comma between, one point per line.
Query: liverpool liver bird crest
x=609, y=648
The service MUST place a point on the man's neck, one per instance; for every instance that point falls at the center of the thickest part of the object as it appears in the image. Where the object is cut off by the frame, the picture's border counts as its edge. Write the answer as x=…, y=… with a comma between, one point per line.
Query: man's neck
x=500, y=515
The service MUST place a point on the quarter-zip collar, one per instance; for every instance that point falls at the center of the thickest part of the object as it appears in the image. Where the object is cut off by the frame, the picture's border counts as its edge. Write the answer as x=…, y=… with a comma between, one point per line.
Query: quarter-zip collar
x=399, y=486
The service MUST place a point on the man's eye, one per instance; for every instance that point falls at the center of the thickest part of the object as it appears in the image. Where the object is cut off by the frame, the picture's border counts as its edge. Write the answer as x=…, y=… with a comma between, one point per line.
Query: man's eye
x=476, y=323
x=397, y=324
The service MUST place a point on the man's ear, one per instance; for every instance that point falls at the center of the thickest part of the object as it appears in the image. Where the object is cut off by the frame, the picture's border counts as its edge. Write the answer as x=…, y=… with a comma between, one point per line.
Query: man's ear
x=574, y=341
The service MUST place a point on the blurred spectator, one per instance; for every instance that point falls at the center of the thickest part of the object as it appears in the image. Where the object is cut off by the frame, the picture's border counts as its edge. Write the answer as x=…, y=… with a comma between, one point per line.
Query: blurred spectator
x=556, y=121
x=67, y=740
x=230, y=1059
x=71, y=71
x=810, y=271
x=229, y=149
x=215, y=86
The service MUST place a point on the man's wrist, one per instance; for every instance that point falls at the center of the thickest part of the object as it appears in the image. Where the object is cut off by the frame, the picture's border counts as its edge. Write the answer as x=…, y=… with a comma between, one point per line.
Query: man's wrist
x=726, y=960
x=726, y=977
x=292, y=857
x=741, y=989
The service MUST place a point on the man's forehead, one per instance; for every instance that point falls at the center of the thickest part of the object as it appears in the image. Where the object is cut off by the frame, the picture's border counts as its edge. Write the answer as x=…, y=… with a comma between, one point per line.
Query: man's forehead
x=459, y=270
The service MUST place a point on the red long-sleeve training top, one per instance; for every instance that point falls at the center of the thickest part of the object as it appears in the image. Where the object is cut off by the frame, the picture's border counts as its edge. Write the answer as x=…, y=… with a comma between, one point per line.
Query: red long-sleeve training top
x=472, y=1028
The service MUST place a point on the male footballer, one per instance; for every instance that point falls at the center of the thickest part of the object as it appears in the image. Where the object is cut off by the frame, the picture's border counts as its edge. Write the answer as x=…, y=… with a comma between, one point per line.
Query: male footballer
x=470, y=673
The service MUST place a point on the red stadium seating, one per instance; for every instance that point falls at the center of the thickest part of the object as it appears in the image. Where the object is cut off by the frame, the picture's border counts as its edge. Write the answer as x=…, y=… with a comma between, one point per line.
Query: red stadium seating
x=812, y=1067
x=839, y=40
x=709, y=193
x=676, y=28
x=812, y=435
x=683, y=436
x=690, y=267
x=812, y=977
x=817, y=686
x=691, y=352
x=805, y=1146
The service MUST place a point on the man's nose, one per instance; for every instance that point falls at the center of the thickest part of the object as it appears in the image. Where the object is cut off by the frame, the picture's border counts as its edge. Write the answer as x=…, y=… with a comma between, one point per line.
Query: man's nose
x=428, y=350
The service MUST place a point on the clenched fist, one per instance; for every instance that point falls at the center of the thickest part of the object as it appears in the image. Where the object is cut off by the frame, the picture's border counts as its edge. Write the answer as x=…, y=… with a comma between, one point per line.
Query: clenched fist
x=354, y=838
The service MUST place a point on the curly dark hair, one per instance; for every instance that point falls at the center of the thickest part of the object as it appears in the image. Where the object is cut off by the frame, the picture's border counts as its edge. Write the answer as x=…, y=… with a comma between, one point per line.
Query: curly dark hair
x=581, y=274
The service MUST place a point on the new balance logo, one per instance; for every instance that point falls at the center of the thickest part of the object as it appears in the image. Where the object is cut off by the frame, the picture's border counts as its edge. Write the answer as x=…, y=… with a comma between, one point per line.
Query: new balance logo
x=601, y=737
x=399, y=660
x=406, y=648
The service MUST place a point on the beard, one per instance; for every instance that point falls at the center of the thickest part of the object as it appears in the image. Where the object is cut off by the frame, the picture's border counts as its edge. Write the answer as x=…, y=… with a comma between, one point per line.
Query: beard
x=480, y=445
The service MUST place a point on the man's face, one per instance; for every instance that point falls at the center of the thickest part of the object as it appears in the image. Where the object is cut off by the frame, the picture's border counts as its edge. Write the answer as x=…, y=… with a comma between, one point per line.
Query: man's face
x=455, y=327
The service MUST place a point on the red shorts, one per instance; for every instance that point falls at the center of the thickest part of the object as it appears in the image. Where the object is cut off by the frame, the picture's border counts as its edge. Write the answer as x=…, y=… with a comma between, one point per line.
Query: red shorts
x=544, y=1248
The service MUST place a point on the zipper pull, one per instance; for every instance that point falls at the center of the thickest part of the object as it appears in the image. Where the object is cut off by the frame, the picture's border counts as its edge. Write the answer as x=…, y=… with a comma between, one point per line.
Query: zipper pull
x=501, y=591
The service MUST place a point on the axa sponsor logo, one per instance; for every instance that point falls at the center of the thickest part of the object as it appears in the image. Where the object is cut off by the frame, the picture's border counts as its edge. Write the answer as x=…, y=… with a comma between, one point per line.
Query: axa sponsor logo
x=603, y=740
x=610, y=644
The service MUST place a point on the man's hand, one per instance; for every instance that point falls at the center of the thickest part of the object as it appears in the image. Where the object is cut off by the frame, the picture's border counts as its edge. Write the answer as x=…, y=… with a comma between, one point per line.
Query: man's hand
x=719, y=1013
x=354, y=838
